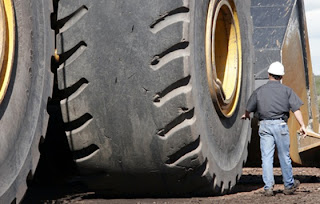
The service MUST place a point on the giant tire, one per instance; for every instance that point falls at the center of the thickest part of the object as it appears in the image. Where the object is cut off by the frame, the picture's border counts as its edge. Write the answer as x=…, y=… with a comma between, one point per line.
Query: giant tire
x=137, y=108
x=23, y=116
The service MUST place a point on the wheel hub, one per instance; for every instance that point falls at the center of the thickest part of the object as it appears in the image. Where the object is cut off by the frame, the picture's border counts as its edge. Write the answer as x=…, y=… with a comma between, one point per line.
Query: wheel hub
x=223, y=56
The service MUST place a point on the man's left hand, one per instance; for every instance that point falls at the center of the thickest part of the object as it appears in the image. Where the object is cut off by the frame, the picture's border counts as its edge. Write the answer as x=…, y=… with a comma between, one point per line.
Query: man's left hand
x=303, y=131
x=245, y=116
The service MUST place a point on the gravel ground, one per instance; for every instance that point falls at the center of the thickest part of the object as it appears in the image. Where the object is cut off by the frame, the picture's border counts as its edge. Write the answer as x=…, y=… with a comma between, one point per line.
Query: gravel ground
x=248, y=190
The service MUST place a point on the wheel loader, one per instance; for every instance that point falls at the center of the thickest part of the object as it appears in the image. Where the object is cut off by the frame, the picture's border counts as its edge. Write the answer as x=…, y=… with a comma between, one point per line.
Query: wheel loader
x=150, y=91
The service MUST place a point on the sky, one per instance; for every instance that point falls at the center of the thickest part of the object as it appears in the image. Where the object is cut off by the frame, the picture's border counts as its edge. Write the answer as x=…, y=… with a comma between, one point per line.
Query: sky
x=312, y=8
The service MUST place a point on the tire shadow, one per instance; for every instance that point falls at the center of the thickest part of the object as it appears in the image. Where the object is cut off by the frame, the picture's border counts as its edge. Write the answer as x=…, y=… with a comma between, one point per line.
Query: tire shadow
x=56, y=173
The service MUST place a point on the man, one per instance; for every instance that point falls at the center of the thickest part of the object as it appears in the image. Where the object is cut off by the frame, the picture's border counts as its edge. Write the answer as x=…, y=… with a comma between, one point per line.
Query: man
x=272, y=103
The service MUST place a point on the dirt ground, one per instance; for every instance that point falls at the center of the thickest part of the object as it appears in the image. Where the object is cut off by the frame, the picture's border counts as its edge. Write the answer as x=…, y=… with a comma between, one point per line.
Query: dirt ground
x=248, y=190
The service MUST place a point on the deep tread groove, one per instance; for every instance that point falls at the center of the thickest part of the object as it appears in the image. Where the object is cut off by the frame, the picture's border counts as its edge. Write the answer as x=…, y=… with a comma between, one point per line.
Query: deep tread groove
x=196, y=172
x=78, y=122
x=182, y=117
x=173, y=12
x=78, y=154
x=183, y=151
x=53, y=16
x=41, y=141
x=66, y=55
x=29, y=178
x=199, y=171
x=65, y=93
x=67, y=22
x=179, y=46
x=214, y=181
x=14, y=201
x=182, y=82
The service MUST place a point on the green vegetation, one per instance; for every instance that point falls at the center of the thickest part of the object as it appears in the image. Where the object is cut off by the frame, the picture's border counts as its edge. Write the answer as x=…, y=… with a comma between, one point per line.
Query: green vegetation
x=317, y=80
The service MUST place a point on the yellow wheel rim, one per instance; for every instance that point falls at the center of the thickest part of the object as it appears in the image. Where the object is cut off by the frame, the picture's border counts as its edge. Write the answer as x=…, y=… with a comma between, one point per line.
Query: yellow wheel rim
x=223, y=56
x=7, y=35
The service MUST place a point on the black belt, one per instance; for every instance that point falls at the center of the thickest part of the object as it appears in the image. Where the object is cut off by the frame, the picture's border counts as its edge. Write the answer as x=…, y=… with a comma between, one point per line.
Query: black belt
x=272, y=119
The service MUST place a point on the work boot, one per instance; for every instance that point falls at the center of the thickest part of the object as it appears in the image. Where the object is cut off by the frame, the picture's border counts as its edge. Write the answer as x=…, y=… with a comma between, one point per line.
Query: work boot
x=268, y=192
x=292, y=189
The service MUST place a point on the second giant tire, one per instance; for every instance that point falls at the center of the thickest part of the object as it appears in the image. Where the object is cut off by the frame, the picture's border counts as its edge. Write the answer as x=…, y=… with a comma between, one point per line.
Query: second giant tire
x=137, y=109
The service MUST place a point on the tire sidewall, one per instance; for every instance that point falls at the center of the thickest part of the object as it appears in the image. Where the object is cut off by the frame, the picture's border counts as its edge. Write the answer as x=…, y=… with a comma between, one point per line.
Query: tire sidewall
x=224, y=139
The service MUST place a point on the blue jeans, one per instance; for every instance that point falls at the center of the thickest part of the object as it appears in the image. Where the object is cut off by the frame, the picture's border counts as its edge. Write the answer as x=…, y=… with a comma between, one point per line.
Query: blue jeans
x=275, y=133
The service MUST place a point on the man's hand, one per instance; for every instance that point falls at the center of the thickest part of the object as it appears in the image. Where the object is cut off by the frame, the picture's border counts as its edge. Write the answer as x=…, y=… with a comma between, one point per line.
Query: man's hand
x=299, y=118
x=303, y=131
x=245, y=116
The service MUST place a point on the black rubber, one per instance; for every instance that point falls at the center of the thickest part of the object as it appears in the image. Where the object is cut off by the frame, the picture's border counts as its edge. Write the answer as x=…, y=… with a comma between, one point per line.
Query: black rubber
x=137, y=109
x=23, y=116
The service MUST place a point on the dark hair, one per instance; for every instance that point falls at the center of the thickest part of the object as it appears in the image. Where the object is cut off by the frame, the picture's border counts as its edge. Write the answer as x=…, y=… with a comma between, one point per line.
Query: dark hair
x=276, y=77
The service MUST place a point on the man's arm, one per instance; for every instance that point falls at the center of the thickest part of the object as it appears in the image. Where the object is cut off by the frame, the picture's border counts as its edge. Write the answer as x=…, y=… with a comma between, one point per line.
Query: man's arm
x=251, y=106
x=299, y=118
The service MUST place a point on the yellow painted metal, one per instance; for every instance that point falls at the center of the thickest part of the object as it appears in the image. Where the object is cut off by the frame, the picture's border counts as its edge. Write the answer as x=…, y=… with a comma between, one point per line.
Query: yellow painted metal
x=294, y=66
x=313, y=134
x=308, y=147
x=305, y=144
x=223, y=56
x=3, y=33
x=297, y=74
x=7, y=47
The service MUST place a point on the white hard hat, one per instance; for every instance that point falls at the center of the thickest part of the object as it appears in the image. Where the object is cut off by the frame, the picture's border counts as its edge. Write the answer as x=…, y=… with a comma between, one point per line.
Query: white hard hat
x=276, y=68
